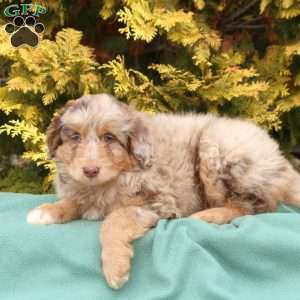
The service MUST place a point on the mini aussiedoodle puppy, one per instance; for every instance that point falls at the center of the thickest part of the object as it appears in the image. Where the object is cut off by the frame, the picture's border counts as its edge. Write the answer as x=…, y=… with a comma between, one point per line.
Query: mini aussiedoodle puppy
x=133, y=169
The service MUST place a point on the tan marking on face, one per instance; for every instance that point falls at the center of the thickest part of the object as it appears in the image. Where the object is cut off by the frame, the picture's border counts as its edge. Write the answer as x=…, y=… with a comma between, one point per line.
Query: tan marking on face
x=92, y=150
x=114, y=128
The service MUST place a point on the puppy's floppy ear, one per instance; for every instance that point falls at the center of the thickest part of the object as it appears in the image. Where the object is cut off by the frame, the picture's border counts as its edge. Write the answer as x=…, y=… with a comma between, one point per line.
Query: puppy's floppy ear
x=139, y=143
x=53, y=138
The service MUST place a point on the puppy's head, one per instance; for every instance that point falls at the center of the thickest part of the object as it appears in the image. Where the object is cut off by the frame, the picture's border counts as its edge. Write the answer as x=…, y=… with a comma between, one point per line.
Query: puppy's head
x=95, y=138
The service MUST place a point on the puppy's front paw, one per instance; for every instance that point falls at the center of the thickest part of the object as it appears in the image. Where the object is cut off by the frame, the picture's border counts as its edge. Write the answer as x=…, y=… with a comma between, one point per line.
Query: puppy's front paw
x=116, y=265
x=92, y=214
x=45, y=214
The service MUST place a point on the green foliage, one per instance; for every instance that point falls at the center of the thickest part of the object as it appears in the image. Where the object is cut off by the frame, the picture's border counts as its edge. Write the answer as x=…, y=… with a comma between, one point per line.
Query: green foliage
x=53, y=68
x=285, y=9
x=22, y=181
x=145, y=20
x=236, y=58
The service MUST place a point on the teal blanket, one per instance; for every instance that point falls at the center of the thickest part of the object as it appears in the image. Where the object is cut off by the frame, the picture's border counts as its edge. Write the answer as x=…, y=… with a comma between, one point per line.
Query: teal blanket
x=255, y=257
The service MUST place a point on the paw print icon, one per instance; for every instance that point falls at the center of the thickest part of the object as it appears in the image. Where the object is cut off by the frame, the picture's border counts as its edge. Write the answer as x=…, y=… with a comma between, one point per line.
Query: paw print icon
x=24, y=31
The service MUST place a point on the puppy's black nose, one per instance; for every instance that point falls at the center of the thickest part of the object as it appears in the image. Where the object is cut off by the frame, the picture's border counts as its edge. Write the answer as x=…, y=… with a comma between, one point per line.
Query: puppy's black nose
x=91, y=171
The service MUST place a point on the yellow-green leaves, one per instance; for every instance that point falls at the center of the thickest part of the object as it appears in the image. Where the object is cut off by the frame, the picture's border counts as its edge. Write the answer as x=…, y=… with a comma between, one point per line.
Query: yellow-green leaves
x=285, y=9
x=145, y=20
x=200, y=4
x=60, y=67
x=264, y=4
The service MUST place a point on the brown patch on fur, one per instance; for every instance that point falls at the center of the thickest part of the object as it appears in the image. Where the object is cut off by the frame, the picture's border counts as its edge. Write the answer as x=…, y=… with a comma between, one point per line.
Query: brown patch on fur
x=53, y=138
x=67, y=131
x=138, y=144
x=119, y=157
x=197, y=176
x=114, y=128
x=210, y=168
x=124, y=163
x=249, y=202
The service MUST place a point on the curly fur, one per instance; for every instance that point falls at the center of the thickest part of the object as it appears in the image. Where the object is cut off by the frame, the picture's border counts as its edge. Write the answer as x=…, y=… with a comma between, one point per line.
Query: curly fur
x=162, y=166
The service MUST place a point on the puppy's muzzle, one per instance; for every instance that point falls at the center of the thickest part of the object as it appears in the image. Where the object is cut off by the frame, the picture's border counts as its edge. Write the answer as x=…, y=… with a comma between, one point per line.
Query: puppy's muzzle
x=91, y=171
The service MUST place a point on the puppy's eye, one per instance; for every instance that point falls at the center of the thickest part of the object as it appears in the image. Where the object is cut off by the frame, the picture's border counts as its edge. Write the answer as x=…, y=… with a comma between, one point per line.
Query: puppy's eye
x=70, y=134
x=75, y=137
x=109, y=138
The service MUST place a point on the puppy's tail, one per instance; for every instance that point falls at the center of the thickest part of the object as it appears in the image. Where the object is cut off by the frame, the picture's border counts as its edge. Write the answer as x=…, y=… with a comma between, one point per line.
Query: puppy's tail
x=292, y=194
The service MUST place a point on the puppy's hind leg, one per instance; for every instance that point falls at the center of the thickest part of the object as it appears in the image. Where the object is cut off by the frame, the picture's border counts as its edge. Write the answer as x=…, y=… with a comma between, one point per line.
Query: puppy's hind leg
x=221, y=215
